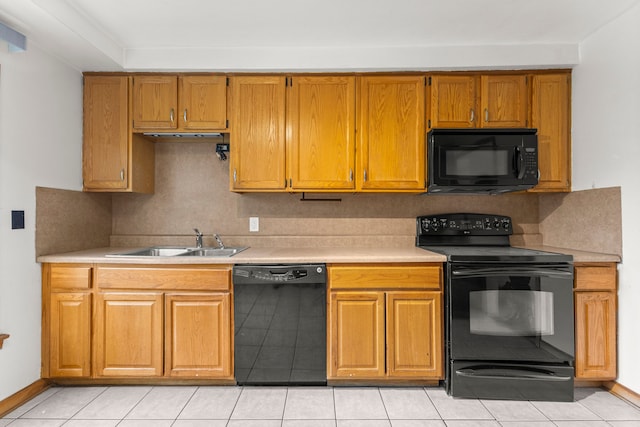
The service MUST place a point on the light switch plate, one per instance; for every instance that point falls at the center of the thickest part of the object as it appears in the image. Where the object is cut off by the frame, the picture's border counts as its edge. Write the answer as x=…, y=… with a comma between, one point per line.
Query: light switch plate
x=17, y=220
x=254, y=224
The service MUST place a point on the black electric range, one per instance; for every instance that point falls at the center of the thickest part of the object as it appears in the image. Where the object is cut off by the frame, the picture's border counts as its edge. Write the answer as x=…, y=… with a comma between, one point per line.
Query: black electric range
x=508, y=311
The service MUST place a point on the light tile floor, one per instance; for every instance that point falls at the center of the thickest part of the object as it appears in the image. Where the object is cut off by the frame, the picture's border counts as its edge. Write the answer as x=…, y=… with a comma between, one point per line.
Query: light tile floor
x=193, y=406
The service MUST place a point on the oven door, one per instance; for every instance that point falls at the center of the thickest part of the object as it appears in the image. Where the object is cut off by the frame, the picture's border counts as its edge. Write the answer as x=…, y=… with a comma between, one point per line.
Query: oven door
x=519, y=313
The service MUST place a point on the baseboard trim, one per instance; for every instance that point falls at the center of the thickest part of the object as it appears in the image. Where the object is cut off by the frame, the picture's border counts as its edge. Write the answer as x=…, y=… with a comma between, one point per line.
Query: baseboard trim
x=29, y=392
x=623, y=392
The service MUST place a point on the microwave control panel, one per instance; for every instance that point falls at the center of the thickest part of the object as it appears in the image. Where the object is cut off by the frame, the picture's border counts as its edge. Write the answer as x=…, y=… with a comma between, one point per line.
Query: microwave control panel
x=464, y=224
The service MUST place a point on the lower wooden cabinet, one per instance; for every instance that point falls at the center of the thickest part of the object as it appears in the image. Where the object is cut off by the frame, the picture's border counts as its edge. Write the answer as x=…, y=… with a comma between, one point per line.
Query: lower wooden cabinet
x=128, y=334
x=66, y=337
x=198, y=335
x=385, y=321
x=596, y=312
x=137, y=322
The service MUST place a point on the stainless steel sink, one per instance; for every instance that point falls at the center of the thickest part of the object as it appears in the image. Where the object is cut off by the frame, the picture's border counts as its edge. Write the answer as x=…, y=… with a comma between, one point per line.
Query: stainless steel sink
x=171, y=251
x=212, y=252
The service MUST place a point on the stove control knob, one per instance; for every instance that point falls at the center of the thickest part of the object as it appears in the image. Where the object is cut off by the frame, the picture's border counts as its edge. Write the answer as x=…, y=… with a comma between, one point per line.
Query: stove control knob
x=496, y=224
x=506, y=225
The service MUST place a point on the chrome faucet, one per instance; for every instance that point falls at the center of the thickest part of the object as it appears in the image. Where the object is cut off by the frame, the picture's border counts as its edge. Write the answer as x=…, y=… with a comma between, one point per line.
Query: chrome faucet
x=198, y=238
x=219, y=240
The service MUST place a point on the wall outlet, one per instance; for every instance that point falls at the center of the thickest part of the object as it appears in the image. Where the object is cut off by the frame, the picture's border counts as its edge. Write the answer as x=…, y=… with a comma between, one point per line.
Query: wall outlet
x=254, y=224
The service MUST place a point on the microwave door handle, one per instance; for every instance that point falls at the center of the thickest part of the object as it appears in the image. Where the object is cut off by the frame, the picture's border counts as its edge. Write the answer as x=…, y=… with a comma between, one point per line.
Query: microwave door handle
x=519, y=160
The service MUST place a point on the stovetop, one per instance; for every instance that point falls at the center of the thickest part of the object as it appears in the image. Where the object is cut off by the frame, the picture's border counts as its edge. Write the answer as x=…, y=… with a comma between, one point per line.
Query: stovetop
x=498, y=254
x=469, y=237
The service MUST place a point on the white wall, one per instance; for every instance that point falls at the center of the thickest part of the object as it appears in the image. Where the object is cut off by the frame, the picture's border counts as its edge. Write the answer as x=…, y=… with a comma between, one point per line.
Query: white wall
x=40, y=145
x=606, y=152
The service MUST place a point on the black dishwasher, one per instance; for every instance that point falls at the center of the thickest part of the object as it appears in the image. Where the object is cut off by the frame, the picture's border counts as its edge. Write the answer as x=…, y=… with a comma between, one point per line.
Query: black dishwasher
x=280, y=324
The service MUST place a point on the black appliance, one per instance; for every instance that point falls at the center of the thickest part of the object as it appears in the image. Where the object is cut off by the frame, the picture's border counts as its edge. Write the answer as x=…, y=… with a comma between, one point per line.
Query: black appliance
x=280, y=324
x=509, y=328
x=488, y=161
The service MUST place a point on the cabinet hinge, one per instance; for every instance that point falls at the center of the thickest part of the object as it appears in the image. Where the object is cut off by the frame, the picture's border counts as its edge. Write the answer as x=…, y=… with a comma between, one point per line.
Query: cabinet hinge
x=227, y=124
x=429, y=123
x=227, y=81
x=429, y=79
x=425, y=80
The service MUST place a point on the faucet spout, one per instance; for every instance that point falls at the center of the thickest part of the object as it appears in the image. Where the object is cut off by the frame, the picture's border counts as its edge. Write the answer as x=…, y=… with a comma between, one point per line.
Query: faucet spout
x=198, y=238
x=219, y=240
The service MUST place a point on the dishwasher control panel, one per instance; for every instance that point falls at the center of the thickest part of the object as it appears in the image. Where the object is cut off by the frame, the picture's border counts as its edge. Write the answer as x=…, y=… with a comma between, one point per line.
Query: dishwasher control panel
x=279, y=273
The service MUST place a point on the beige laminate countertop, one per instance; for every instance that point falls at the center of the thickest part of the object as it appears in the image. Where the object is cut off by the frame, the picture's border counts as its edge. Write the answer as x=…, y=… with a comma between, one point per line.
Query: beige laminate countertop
x=295, y=255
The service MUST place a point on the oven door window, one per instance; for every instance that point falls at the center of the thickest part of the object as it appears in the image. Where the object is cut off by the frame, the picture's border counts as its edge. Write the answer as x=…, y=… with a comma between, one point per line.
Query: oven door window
x=511, y=313
x=501, y=312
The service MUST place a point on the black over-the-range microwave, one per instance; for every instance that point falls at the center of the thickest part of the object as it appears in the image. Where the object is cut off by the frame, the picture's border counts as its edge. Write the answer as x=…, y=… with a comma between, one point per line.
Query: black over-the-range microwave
x=481, y=160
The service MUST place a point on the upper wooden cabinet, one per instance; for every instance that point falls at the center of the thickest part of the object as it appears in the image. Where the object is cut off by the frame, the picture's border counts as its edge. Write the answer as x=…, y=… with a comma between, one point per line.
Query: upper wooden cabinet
x=478, y=101
x=391, y=133
x=180, y=103
x=321, y=133
x=551, y=115
x=114, y=159
x=257, y=123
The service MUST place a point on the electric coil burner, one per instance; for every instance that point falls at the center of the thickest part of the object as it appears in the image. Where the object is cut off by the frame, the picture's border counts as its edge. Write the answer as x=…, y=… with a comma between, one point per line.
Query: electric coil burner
x=509, y=329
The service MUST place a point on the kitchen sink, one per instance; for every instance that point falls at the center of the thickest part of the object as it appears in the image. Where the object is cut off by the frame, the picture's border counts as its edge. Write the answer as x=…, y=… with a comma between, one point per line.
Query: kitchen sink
x=212, y=252
x=170, y=251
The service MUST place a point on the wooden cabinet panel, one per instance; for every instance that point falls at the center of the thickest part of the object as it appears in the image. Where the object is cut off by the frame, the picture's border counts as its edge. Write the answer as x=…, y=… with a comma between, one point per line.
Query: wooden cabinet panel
x=414, y=334
x=257, y=110
x=128, y=335
x=453, y=101
x=550, y=114
x=198, y=335
x=388, y=276
x=503, y=101
x=391, y=146
x=106, y=133
x=595, y=335
x=321, y=133
x=203, y=102
x=68, y=276
x=357, y=338
x=155, y=102
x=70, y=335
x=599, y=276
x=188, y=277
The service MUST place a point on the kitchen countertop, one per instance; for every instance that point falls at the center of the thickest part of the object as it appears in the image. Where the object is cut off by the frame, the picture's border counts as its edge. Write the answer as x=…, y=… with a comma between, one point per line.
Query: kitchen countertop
x=296, y=255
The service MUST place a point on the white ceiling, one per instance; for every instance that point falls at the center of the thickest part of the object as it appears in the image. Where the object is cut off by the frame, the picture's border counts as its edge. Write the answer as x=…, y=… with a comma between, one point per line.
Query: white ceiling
x=304, y=34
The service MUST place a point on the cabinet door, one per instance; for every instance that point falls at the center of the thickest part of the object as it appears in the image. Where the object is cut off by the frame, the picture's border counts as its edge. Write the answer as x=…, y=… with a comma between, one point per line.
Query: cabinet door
x=106, y=133
x=595, y=335
x=70, y=335
x=356, y=341
x=203, y=102
x=128, y=334
x=155, y=102
x=257, y=109
x=414, y=334
x=391, y=146
x=198, y=335
x=550, y=114
x=453, y=101
x=321, y=134
x=503, y=101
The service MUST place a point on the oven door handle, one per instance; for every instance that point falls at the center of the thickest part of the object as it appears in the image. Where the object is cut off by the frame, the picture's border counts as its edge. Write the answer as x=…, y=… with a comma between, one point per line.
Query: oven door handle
x=504, y=373
x=511, y=271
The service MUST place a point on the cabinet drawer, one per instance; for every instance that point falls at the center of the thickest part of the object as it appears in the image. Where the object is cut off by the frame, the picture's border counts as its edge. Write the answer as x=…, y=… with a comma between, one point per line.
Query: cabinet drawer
x=391, y=276
x=70, y=277
x=595, y=276
x=190, y=278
